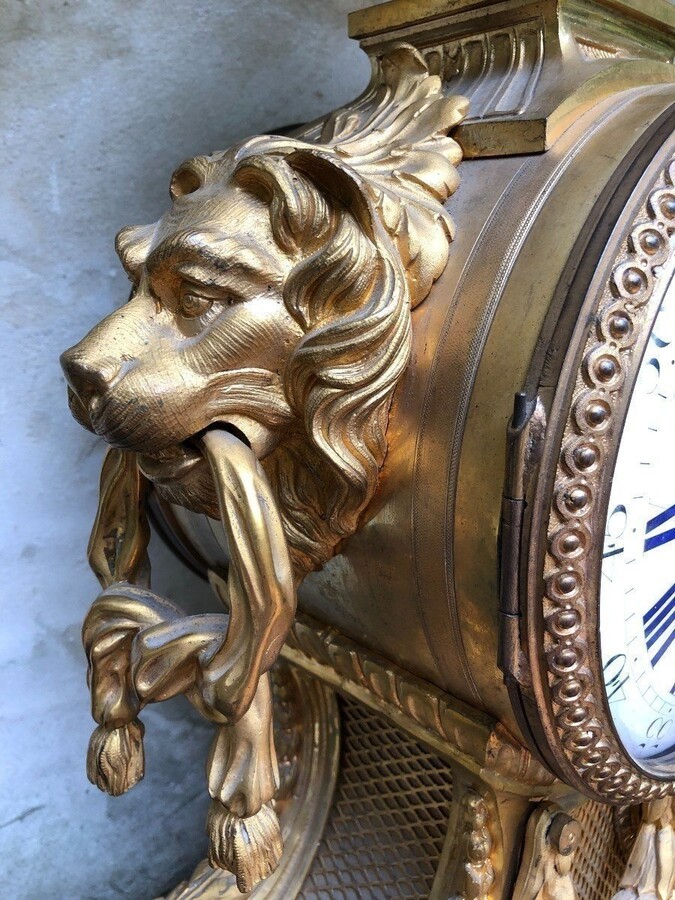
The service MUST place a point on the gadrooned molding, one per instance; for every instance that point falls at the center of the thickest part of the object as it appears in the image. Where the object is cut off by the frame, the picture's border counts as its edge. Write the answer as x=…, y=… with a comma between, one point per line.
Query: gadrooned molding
x=573, y=668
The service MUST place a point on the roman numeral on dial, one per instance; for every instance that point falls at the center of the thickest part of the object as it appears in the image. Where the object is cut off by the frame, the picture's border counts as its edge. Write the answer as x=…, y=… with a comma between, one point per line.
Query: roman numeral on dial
x=659, y=625
x=662, y=537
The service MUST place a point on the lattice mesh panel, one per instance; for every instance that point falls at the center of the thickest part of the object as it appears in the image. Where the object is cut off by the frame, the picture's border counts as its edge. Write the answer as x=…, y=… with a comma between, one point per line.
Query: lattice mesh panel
x=600, y=859
x=389, y=818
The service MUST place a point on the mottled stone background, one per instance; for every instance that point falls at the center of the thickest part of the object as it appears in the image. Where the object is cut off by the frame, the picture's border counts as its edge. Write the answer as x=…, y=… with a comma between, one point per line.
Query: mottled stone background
x=100, y=100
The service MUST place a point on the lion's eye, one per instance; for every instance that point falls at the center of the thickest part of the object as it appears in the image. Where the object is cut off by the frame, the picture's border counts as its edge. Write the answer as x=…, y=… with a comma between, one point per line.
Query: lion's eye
x=193, y=305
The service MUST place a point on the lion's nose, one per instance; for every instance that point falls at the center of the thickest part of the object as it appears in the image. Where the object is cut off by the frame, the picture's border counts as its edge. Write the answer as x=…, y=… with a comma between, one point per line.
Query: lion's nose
x=86, y=377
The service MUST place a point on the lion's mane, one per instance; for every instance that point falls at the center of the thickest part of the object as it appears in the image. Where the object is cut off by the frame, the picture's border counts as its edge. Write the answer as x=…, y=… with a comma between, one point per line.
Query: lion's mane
x=348, y=293
x=358, y=206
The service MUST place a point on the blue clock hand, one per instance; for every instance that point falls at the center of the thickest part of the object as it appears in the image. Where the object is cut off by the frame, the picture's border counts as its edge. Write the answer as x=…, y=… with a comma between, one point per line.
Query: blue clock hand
x=612, y=552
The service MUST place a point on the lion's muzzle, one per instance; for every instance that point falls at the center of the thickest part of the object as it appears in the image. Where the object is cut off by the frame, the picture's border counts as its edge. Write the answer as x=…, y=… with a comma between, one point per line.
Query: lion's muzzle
x=88, y=379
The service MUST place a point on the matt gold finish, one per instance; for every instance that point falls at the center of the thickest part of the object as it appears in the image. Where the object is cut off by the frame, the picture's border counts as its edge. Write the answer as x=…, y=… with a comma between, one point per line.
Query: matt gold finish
x=307, y=737
x=142, y=648
x=529, y=65
x=480, y=874
x=474, y=741
x=325, y=250
x=485, y=333
x=382, y=17
x=630, y=297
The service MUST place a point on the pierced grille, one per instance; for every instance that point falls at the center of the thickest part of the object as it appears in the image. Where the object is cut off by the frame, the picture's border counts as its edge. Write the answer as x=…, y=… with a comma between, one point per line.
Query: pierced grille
x=600, y=859
x=390, y=814
x=386, y=830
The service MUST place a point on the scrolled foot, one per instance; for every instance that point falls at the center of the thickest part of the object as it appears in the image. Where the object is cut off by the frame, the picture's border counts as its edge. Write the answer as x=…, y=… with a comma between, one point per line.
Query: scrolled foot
x=248, y=847
x=115, y=758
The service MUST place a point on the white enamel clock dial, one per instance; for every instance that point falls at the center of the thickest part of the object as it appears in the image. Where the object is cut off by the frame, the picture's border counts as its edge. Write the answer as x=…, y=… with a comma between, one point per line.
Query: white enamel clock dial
x=637, y=594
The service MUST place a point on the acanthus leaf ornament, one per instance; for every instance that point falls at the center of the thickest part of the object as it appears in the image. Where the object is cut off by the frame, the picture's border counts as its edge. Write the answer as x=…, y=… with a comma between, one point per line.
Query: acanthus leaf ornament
x=650, y=870
x=250, y=377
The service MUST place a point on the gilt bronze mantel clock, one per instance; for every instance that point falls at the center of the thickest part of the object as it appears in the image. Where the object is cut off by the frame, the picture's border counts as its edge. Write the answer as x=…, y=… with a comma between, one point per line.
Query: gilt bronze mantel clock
x=401, y=384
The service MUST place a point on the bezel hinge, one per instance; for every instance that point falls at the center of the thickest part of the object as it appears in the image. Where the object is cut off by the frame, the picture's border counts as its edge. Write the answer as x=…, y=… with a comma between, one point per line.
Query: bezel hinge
x=525, y=435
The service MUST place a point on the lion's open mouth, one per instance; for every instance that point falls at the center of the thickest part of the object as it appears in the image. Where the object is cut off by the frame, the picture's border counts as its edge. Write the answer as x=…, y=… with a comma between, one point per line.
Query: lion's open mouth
x=178, y=461
x=162, y=466
x=171, y=464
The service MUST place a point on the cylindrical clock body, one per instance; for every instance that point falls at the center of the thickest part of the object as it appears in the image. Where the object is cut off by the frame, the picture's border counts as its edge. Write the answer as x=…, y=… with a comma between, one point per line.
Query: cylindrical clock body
x=419, y=583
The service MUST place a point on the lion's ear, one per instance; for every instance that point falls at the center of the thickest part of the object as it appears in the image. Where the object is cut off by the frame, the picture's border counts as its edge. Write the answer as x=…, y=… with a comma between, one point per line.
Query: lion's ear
x=328, y=174
x=133, y=245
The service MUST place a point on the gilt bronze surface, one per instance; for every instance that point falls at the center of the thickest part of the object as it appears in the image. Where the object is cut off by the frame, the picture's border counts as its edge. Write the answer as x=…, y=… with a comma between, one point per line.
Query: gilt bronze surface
x=270, y=320
x=350, y=389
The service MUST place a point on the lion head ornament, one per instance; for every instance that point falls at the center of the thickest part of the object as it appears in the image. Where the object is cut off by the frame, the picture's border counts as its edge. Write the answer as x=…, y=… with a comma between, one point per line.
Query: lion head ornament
x=275, y=295
x=249, y=377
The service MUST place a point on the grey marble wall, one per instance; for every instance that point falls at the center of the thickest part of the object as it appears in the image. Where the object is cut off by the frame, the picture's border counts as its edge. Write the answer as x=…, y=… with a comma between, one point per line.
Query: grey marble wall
x=100, y=99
